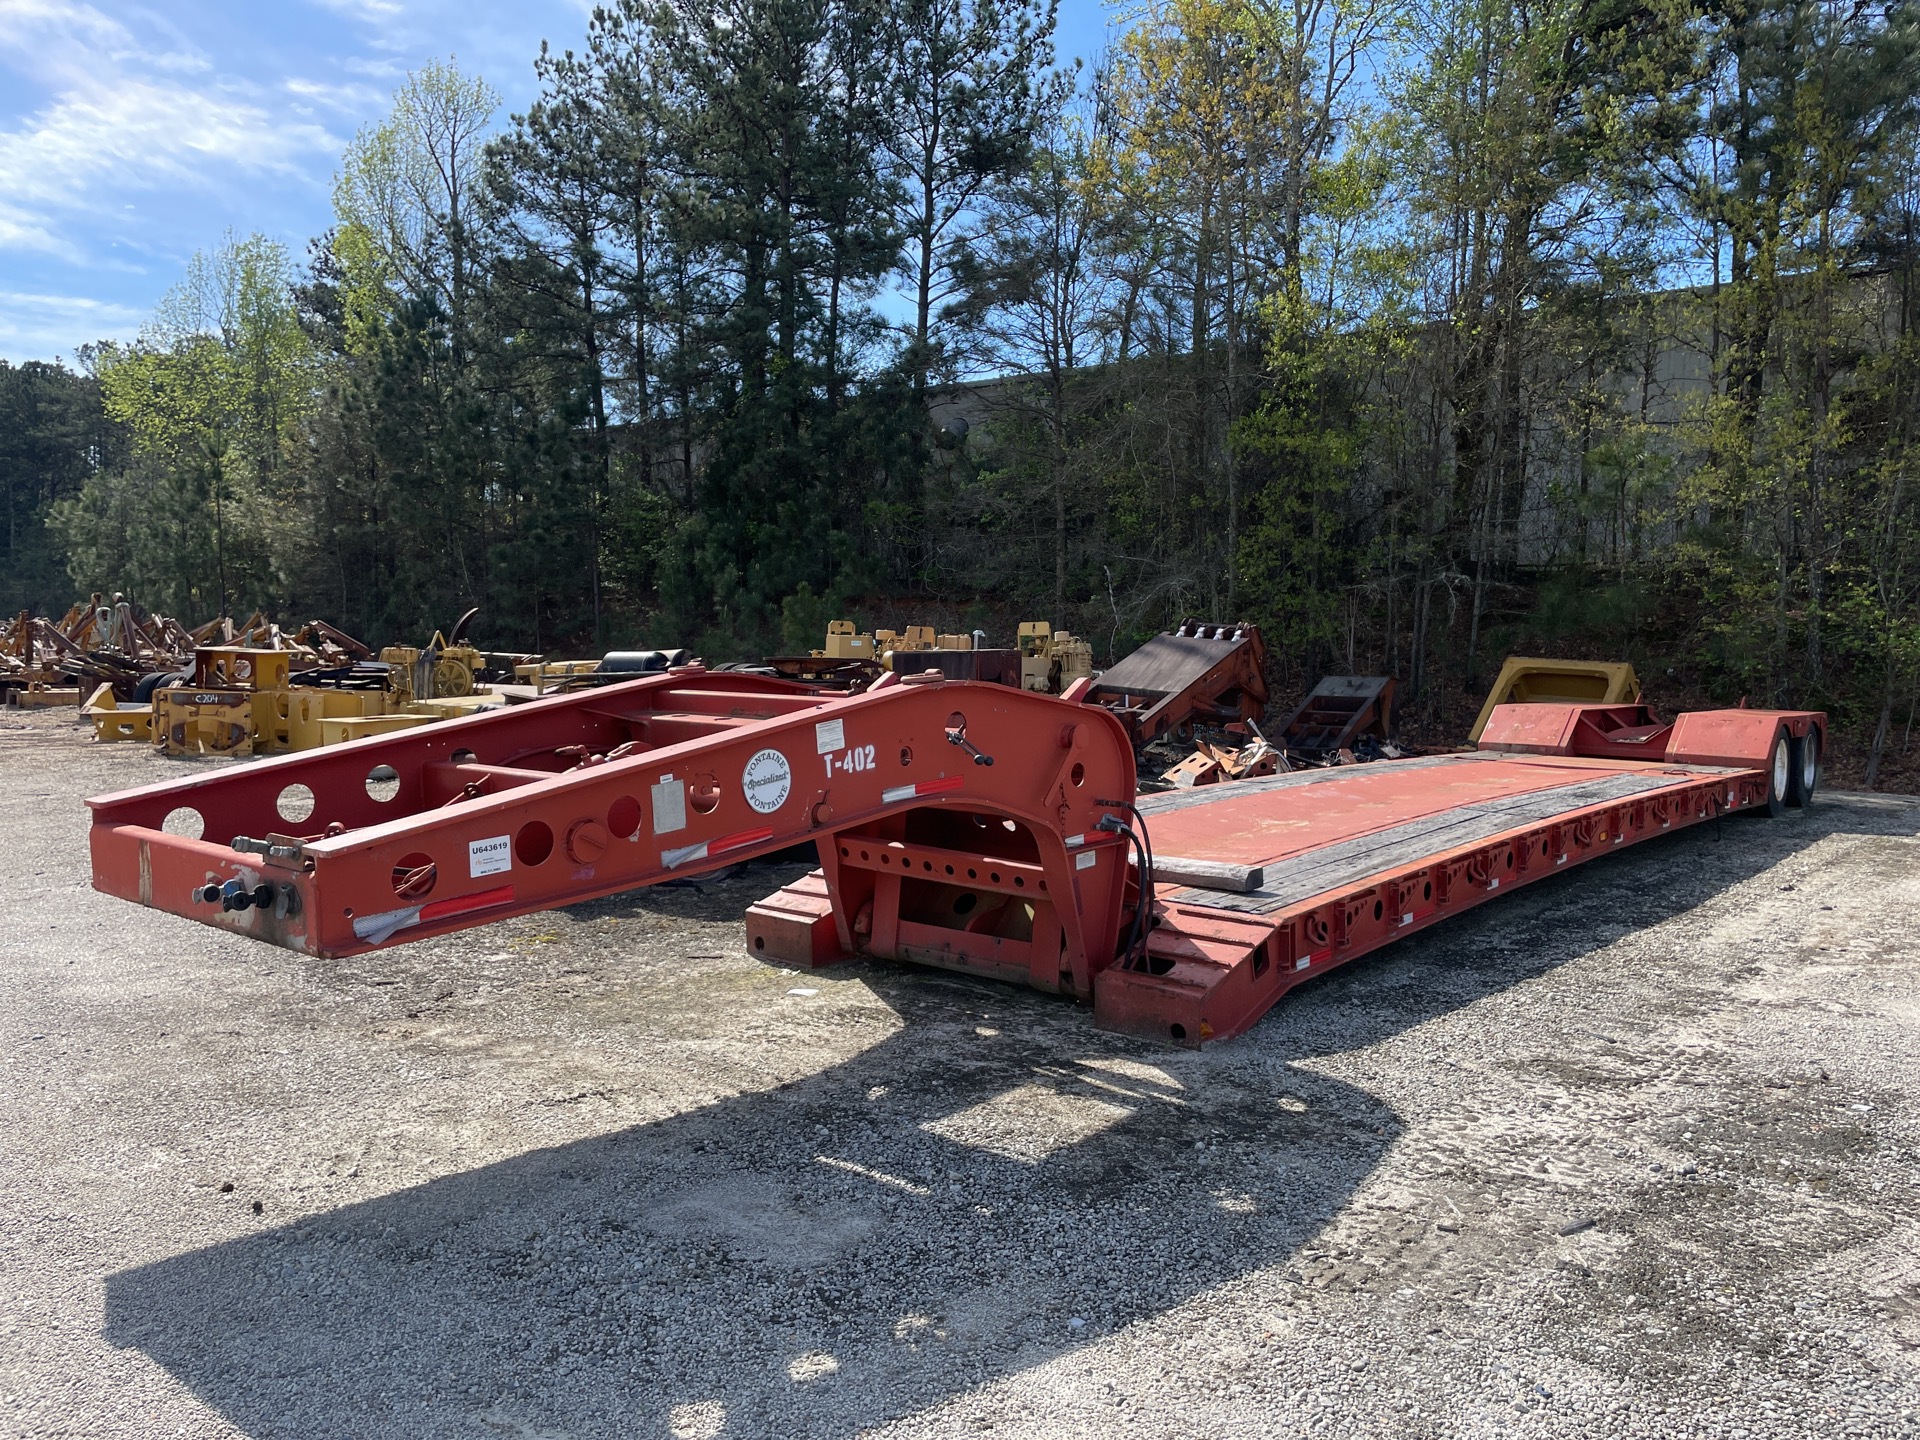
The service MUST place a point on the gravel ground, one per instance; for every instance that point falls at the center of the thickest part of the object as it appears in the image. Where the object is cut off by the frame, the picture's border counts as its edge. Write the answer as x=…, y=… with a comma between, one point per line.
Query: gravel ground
x=1631, y=1153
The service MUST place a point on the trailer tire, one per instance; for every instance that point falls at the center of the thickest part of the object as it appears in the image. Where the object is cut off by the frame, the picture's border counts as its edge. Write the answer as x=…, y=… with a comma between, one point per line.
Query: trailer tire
x=1805, y=760
x=1779, y=773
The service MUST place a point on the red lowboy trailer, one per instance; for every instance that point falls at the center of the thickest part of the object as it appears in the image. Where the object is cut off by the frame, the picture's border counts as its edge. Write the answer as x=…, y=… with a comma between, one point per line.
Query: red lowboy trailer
x=975, y=827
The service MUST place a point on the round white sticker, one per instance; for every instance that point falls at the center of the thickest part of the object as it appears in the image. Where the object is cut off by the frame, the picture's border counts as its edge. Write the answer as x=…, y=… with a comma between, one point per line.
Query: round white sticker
x=767, y=781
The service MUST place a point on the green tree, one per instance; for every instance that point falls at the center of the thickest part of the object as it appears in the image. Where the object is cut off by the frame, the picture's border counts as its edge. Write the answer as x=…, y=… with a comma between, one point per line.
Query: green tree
x=213, y=396
x=404, y=196
x=772, y=114
x=54, y=437
x=972, y=90
x=1038, y=302
x=1803, y=110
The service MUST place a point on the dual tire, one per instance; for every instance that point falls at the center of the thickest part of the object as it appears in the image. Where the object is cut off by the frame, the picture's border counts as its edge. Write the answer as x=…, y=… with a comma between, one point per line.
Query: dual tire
x=1793, y=770
x=1803, y=753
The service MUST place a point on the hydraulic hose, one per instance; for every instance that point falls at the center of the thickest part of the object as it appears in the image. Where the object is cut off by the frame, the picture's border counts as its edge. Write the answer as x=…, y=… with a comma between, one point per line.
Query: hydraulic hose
x=1141, y=928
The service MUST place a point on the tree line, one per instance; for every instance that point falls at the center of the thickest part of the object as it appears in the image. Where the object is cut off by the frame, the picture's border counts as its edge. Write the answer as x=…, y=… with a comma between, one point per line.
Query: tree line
x=1404, y=331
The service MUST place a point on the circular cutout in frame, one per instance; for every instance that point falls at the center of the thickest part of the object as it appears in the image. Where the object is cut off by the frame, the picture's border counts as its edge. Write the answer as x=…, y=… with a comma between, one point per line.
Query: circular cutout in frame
x=767, y=781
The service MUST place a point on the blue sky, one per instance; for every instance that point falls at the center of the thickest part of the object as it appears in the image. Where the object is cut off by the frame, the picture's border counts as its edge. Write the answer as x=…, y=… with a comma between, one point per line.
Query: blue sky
x=132, y=135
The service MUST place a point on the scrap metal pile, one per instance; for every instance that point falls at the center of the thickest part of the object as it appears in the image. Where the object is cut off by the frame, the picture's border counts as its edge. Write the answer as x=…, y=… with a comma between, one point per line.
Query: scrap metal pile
x=1042, y=659
x=112, y=642
x=246, y=688
x=48, y=662
x=1345, y=720
x=257, y=687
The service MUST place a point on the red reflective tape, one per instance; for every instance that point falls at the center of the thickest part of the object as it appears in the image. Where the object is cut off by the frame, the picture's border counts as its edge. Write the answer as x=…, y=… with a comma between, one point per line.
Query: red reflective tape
x=378, y=929
x=462, y=904
x=739, y=838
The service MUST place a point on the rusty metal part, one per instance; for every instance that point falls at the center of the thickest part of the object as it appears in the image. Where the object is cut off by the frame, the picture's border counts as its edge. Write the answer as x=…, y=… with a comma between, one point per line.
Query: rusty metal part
x=1337, y=715
x=1216, y=764
x=1211, y=674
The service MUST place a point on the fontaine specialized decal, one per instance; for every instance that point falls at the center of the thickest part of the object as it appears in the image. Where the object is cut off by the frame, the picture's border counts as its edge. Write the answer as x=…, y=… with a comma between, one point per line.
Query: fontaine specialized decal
x=767, y=781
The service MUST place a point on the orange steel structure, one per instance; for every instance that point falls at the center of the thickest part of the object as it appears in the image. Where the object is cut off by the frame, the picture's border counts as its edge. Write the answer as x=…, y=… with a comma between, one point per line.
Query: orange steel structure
x=971, y=826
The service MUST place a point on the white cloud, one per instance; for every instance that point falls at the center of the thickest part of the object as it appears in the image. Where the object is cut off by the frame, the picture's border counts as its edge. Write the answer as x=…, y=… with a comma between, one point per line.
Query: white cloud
x=44, y=327
x=133, y=131
x=348, y=98
x=55, y=38
x=121, y=121
x=77, y=25
x=144, y=134
x=374, y=10
x=21, y=230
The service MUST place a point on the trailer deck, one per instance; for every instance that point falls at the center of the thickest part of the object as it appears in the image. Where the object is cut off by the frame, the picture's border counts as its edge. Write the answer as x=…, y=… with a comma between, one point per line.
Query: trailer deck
x=1340, y=862
x=970, y=826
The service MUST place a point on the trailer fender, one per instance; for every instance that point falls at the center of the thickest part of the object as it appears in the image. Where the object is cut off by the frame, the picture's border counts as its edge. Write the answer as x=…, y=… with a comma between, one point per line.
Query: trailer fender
x=1742, y=739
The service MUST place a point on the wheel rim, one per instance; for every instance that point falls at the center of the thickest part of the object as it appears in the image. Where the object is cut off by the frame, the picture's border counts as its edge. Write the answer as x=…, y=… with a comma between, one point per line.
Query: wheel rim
x=1809, y=761
x=1780, y=771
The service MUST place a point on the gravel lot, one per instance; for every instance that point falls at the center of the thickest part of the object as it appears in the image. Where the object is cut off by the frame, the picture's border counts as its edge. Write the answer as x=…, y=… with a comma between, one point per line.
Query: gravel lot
x=1631, y=1153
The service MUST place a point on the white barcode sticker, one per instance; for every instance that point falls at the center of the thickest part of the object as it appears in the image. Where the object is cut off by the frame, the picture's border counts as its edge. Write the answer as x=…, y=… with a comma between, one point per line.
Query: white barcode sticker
x=1085, y=859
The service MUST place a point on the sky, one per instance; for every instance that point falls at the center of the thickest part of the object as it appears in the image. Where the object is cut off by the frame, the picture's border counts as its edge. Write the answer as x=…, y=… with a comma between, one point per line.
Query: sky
x=132, y=135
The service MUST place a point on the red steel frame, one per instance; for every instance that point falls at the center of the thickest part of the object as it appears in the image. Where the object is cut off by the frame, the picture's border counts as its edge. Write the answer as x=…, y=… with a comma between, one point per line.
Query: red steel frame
x=970, y=826
x=586, y=795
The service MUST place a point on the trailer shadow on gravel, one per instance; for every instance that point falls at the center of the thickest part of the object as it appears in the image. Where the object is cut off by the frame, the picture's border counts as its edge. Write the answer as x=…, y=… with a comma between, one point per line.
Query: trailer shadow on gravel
x=886, y=1235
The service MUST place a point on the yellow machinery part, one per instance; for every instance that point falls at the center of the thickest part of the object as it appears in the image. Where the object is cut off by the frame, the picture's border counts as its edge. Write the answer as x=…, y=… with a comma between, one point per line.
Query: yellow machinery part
x=308, y=710
x=541, y=674
x=40, y=696
x=453, y=673
x=401, y=662
x=192, y=721
x=844, y=642
x=338, y=732
x=113, y=721
x=1051, y=660
x=238, y=667
x=1524, y=680
x=268, y=713
x=1075, y=656
x=454, y=707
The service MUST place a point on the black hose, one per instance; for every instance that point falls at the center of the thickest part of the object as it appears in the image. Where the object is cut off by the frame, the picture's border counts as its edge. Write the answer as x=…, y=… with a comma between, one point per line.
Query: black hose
x=1146, y=841
x=1136, y=928
x=1141, y=929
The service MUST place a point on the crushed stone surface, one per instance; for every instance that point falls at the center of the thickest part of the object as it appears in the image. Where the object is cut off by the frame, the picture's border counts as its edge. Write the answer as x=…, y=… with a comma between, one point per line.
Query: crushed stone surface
x=1631, y=1153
